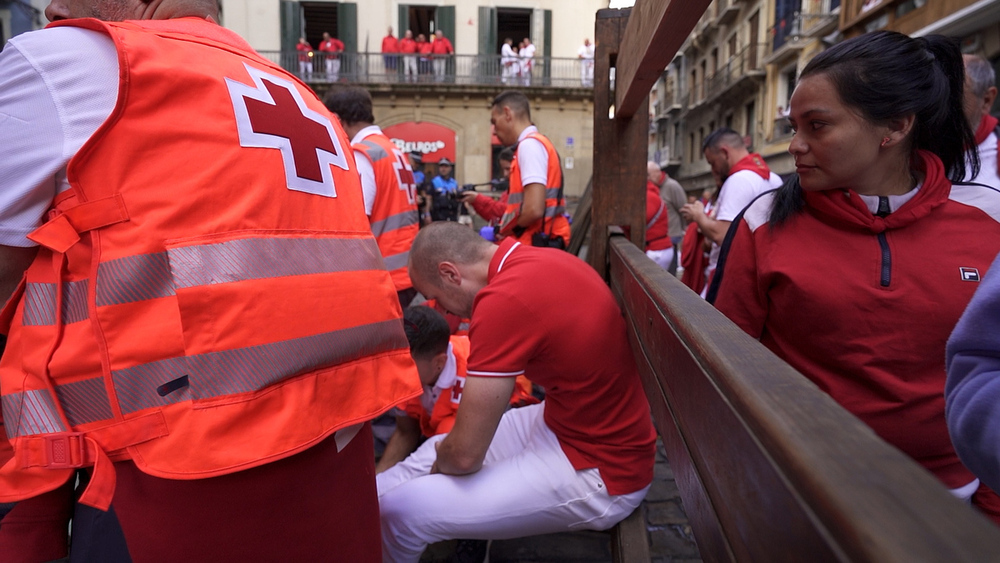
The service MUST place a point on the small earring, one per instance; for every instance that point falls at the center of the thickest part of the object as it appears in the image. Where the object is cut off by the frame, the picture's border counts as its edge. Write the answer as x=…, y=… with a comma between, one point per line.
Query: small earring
x=885, y=141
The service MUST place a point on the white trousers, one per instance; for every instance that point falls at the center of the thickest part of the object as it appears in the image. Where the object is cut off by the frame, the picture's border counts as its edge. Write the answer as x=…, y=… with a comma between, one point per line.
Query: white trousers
x=526, y=487
x=410, y=67
x=663, y=258
x=439, y=68
x=332, y=69
x=587, y=72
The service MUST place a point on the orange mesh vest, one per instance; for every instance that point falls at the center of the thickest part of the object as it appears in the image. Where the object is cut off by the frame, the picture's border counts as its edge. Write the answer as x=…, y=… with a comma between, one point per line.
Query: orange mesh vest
x=555, y=222
x=394, y=218
x=208, y=296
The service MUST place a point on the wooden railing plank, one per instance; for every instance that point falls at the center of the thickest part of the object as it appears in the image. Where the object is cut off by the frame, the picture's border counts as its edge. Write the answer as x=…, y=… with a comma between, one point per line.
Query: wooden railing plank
x=651, y=40
x=786, y=473
x=619, y=193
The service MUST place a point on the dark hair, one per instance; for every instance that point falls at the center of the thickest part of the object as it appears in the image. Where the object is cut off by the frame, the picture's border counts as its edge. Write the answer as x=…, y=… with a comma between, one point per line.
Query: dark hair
x=426, y=330
x=352, y=104
x=722, y=136
x=515, y=100
x=886, y=75
x=506, y=154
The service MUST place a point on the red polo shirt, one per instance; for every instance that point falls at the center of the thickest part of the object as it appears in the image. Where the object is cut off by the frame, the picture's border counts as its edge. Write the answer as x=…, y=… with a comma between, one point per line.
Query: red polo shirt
x=594, y=403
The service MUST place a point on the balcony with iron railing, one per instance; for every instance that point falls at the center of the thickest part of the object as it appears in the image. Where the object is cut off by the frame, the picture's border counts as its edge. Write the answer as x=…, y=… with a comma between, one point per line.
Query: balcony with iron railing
x=726, y=12
x=472, y=70
x=745, y=66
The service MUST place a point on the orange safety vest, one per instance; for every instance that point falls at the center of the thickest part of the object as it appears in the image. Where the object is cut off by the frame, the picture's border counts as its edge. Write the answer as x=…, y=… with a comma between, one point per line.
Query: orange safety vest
x=207, y=297
x=442, y=418
x=555, y=205
x=395, y=219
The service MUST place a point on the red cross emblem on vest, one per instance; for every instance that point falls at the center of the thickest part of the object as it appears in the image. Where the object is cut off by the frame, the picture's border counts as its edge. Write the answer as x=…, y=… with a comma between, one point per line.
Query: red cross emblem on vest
x=272, y=114
x=456, y=390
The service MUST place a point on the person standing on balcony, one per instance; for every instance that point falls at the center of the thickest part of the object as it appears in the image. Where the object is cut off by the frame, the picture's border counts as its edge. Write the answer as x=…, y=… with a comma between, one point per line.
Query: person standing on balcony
x=442, y=50
x=408, y=48
x=331, y=47
x=239, y=262
x=980, y=93
x=390, y=52
x=510, y=68
x=527, y=55
x=424, y=48
x=586, y=55
x=306, y=55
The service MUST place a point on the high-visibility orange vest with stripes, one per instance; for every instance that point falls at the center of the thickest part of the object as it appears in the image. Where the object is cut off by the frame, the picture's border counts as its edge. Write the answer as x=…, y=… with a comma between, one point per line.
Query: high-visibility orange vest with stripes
x=555, y=222
x=207, y=296
x=395, y=219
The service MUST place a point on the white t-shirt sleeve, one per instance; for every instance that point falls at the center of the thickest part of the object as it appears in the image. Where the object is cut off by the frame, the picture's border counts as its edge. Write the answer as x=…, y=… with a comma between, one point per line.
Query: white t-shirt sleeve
x=57, y=86
x=367, y=173
x=737, y=192
x=533, y=161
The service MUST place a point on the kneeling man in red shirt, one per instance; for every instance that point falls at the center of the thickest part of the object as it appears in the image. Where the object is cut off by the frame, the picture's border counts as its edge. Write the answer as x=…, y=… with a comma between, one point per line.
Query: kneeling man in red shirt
x=580, y=460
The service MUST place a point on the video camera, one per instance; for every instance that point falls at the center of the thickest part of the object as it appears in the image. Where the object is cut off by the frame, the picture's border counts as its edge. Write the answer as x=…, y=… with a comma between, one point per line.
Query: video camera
x=496, y=184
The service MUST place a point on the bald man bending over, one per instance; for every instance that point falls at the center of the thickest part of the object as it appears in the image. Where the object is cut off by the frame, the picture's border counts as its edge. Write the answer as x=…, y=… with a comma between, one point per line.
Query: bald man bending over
x=208, y=324
x=580, y=460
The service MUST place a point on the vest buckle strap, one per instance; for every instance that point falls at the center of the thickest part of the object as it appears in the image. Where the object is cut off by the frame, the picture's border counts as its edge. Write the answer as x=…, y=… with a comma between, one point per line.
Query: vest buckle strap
x=65, y=450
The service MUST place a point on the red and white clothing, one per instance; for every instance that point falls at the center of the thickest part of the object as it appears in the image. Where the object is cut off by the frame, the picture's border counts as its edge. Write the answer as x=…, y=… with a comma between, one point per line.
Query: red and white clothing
x=659, y=247
x=583, y=458
x=436, y=408
x=986, y=146
x=748, y=178
x=526, y=55
x=331, y=49
x=863, y=305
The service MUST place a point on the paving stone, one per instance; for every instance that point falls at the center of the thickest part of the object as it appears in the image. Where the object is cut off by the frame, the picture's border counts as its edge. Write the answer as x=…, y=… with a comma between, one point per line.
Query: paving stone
x=576, y=547
x=665, y=513
x=675, y=541
x=662, y=470
x=662, y=490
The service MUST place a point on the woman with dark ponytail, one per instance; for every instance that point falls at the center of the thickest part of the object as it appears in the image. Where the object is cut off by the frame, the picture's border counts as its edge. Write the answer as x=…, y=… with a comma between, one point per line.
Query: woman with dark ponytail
x=858, y=268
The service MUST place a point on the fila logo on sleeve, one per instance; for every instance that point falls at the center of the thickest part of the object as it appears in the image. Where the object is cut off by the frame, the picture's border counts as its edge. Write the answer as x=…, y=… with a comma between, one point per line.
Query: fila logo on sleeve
x=969, y=274
x=272, y=114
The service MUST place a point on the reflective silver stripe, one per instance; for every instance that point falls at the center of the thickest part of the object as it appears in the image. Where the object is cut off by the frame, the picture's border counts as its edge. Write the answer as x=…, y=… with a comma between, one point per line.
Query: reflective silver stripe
x=40, y=303
x=249, y=369
x=375, y=151
x=397, y=261
x=507, y=218
x=84, y=401
x=260, y=258
x=553, y=211
x=393, y=222
x=134, y=278
x=463, y=326
x=551, y=193
x=30, y=412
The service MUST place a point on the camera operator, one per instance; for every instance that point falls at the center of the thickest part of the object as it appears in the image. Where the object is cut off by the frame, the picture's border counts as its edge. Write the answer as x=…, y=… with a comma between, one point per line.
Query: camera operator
x=443, y=190
x=488, y=208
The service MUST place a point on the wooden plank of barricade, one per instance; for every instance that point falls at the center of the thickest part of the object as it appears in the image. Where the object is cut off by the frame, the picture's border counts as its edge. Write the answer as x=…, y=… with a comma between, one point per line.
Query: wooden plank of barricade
x=630, y=539
x=619, y=194
x=769, y=467
x=581, y=220
x=651, y=40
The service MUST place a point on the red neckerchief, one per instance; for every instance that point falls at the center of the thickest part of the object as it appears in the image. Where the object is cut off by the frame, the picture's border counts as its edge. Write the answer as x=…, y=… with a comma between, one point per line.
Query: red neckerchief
x=986, y=126
x=754, y=163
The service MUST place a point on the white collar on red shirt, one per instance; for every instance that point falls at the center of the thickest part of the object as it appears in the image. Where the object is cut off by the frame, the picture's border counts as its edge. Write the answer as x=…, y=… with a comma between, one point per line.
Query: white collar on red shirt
x=361, y=135
x=506, y=255
x=444, y=381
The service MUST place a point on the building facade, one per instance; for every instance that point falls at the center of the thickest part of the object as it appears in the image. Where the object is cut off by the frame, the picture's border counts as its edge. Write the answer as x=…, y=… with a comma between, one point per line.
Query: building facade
x=698, y=92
